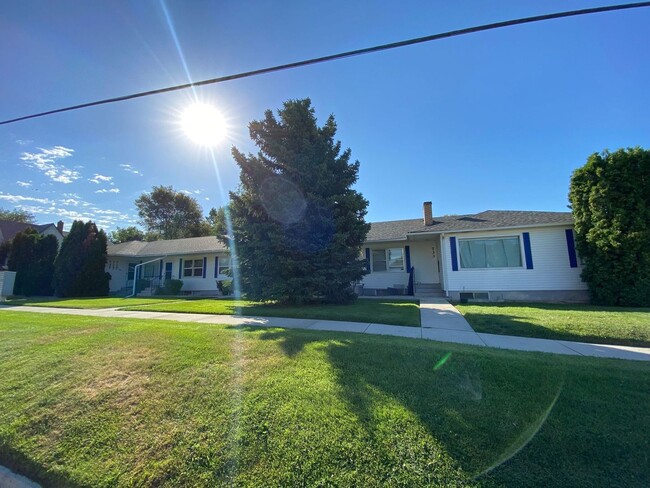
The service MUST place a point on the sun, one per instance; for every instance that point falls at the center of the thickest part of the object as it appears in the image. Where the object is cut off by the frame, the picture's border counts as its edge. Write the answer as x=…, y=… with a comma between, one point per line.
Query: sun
x=204, y=124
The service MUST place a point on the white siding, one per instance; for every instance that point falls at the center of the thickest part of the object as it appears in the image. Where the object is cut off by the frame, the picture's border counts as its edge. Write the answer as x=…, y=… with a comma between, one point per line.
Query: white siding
x=190, y=283
x=385, y=279
x=551, y=269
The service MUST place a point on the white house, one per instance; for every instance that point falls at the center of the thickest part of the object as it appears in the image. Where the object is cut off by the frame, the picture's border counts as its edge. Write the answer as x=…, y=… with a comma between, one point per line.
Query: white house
x=198, y=261
x=492, y=255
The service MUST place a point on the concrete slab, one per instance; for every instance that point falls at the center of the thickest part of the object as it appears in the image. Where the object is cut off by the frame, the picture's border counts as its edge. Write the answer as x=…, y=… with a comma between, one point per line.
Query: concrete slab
x=457, y=336
x=526, y=344
x=394, y=330
x=438, y=313
x=180, y=317
x=609, y=351
x=358, y=327
x=9, y=479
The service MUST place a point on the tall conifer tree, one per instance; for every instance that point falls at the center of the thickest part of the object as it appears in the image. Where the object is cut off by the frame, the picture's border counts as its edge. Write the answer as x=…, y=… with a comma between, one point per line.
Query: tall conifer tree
x=79, y=269
x=298, y=223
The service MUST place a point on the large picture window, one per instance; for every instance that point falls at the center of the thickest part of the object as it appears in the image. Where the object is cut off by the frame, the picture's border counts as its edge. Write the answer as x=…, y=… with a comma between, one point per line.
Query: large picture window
x=500, y=252
x=193, y=267
x=391, y=259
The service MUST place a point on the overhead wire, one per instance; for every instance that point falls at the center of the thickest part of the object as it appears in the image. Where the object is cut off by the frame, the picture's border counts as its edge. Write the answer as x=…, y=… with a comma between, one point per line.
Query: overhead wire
x=334, y=57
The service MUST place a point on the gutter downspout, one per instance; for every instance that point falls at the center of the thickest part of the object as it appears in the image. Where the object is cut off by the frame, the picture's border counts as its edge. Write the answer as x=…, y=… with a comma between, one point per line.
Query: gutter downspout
x=443, y=261
x=135, y=273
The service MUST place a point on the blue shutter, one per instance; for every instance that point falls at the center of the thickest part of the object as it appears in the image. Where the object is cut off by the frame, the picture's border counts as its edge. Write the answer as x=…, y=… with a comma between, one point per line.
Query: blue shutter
x=527, y=252
x=368, y=259
x=454, y=254
x=180, y=268
x=571, y=247
x=205, y=265
x=216, y=266
x=407, y=254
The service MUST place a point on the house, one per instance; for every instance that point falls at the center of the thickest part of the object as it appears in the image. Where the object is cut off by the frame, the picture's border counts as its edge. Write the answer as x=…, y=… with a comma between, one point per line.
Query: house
x=9, y=229
x=492, y=255
x=198, y=261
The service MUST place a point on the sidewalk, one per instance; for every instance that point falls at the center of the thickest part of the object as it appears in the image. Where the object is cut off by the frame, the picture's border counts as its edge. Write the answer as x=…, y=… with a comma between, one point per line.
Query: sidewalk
x=440, y=322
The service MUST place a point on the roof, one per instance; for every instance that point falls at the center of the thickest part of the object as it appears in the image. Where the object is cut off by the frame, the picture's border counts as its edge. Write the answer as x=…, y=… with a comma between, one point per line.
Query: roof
x=9, y=229
x=490, y=219
x=190, y=245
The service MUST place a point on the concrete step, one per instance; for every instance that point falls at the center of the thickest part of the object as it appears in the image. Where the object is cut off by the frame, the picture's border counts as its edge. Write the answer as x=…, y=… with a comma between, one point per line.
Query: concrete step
x=431, y=294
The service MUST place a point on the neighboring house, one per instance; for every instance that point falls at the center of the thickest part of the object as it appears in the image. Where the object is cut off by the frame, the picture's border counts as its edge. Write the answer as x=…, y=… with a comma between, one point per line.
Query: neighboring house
x=9, y=229
x=198, y=261
x=493, y=255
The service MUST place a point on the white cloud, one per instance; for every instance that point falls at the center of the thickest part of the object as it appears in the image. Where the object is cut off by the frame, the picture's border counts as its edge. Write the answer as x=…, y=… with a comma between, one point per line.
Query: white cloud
x=46, y=161
x=130, y=169
x=100, y=178
x=24, y=142
x=112, y=190
x=24, y=184
x=21, y=198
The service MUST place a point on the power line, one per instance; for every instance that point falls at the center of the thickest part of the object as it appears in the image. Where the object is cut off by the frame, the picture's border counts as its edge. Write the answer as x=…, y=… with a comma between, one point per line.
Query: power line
x=333, y=57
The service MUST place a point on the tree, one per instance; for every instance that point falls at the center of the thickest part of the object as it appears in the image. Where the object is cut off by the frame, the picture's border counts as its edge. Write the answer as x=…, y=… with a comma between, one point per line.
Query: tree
x=79, y=268
x=171, y=214
x=126, y=234
x=216, y=219
x=17, y=215
x=32, y=258
x=610, y=198
x=298, y=225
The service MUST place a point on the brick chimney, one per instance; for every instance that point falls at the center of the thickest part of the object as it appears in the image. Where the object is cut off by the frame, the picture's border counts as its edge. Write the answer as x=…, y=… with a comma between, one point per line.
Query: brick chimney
x=428, y=216
x=59, y=226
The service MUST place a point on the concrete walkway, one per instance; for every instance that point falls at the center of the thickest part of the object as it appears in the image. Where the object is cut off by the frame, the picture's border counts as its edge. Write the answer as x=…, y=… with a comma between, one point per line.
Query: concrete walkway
x=9, y=479
x=440, y=322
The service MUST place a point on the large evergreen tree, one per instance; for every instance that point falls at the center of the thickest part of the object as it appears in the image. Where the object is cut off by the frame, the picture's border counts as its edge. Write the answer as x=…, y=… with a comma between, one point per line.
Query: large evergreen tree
x=298, y=224
x=32, y=258
x=79, y=269
x=610, y=198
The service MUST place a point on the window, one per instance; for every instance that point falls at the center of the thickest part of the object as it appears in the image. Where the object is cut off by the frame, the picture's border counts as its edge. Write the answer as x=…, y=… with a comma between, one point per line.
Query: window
x=131, y=271
x=168, y=271
x=224, y=265
x=193, y=267
x=388, y=259
x=500, y=252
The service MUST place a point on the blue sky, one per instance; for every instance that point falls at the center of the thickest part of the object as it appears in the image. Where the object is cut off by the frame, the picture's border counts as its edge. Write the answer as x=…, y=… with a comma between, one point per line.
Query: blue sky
x=495, y=120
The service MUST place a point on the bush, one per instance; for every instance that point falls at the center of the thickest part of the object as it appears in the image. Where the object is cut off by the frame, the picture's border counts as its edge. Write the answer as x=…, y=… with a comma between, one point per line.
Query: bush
x=171, y=287
x=225, y=287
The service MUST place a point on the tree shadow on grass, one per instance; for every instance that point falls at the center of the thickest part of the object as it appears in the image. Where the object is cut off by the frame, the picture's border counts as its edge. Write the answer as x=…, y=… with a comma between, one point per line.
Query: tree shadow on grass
x=19, y=463
x=477, y=408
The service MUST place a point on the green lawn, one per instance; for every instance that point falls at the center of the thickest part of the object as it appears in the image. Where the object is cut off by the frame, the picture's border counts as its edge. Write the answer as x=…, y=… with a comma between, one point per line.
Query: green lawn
x=105, y=302
x=90, y=401
x=585, y=323
x=382, y=311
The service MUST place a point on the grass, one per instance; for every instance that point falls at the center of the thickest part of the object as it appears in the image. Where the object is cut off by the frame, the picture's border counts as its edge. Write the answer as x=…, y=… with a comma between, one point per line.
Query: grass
x=89, y=401
x=381, y=311
x=585, y=323
x=87, y=303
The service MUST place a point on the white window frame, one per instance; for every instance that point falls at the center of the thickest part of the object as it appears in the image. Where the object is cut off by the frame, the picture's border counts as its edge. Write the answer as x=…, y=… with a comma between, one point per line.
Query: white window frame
x=193, y=268
x=387, y=260
x=222, y=268
x=492, y=238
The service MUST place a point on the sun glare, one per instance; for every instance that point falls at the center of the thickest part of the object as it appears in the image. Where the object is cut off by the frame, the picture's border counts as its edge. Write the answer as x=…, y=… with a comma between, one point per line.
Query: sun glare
x=203, y=124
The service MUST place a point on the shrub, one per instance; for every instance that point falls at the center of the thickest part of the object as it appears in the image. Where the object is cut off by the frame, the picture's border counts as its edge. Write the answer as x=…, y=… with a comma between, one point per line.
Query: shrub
x=225, y=287
x=171, y=287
